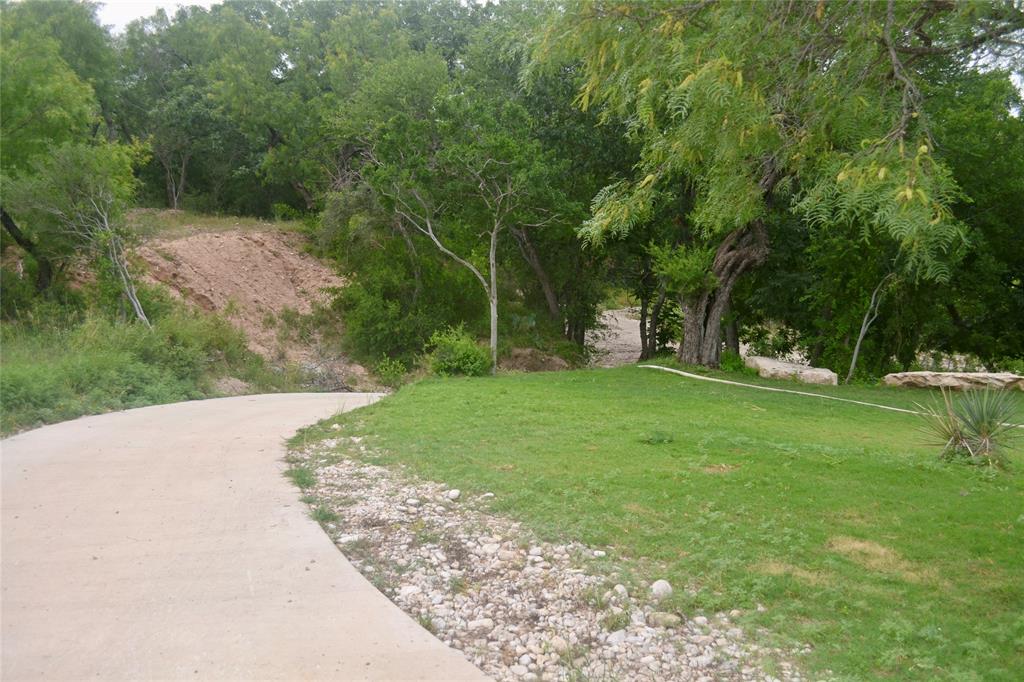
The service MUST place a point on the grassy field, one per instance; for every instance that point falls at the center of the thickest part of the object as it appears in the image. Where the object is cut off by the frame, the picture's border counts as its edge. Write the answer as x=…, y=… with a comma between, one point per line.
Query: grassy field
x=834, y=517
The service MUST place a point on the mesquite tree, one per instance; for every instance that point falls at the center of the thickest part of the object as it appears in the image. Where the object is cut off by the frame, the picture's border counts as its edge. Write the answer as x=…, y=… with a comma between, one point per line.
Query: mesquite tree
x=758, y=106
x=75, y=198
x=456, y=165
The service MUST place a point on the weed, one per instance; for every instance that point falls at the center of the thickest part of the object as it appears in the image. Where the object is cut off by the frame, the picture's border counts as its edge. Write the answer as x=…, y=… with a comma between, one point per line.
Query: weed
x=301, y=476
x=657, y=438
x=457, y=584
x=615, y=621
x=426, y=622
x=323, y=515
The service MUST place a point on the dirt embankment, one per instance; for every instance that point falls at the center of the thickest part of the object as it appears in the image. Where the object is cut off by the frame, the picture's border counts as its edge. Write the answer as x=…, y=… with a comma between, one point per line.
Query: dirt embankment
x=257, y=280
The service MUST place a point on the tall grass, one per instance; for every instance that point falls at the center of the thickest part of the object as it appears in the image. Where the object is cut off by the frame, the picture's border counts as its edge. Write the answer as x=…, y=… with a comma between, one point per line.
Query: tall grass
x=57, y=365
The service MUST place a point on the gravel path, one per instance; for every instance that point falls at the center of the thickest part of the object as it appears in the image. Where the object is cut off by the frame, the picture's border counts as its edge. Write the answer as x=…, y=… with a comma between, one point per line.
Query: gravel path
x=617, y=342
x=518, y=608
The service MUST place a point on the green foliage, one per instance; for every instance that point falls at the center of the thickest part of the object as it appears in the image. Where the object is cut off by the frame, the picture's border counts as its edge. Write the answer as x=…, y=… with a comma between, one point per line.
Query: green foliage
x=976, y=427
x=43, y=100
x=18, y=294
x=686, y=270
x=733, y=362
x=60, y=364
x=323, y=515
x=301, y=476
x=453, y=352
x=390, y=371
x=72, y=200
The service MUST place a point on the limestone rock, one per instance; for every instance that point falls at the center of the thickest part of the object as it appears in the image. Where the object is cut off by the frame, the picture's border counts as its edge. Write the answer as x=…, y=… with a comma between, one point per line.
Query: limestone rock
x=957, y=381
x=659, y=619
x=770, y=368
x=660, y=589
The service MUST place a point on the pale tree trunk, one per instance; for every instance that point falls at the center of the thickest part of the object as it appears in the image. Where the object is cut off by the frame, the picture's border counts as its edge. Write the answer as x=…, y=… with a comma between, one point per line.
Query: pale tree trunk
x=175, y=181
x=492, y=296
x=120, y=263
x=869, y=317
x=423, y=223
x=703, y=310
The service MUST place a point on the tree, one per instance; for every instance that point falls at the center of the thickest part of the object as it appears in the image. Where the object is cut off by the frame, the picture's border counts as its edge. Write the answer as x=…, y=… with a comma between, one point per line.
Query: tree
x=75, y=197
x=454, y=165
x=748, y=106
x=43, y=103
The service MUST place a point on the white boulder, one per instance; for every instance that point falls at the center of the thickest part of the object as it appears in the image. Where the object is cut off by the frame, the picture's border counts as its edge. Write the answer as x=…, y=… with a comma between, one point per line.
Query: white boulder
x=770, y=368
x=957, y=381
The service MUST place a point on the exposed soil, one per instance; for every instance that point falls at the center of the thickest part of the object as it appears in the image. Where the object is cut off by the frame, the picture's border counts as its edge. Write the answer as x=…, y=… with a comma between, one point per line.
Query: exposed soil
x=256, y=280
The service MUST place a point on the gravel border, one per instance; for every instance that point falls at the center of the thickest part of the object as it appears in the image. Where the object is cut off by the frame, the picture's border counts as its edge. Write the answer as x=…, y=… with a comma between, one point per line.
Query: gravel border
x=519, y=609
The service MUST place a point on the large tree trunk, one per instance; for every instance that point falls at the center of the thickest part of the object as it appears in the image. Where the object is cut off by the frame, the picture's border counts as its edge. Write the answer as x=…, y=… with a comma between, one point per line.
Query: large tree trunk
x=44, y=267
x=531, y=257
x=703, y=310
x=732, y=336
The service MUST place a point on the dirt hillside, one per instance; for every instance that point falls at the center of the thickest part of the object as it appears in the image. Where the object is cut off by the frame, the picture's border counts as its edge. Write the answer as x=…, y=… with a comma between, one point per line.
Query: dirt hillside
x=258, y=280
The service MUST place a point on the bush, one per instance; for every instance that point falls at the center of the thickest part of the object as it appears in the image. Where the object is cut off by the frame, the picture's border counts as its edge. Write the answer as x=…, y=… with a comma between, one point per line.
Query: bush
x=454, y=352
x=390, y=371
x=731, y=361
x=65, y=364
x=974, y=428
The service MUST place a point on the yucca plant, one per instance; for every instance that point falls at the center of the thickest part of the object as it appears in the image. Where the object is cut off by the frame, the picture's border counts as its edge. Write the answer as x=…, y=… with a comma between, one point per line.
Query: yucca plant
x=976, y=428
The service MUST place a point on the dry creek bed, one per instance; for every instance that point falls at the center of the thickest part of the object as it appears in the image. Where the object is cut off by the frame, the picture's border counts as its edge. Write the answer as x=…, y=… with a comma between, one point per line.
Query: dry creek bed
x=518, y=608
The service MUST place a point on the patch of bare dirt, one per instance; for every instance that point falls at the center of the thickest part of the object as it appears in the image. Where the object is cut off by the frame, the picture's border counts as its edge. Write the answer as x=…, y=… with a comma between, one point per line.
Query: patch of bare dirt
x=532, y=360
x=257, y=280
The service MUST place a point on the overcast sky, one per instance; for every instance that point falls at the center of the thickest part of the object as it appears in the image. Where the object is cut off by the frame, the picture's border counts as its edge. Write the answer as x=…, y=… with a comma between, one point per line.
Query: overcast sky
x=119, y=13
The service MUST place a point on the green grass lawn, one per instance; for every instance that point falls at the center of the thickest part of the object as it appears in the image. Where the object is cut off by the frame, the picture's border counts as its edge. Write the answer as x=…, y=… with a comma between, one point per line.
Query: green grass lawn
x=835, y=517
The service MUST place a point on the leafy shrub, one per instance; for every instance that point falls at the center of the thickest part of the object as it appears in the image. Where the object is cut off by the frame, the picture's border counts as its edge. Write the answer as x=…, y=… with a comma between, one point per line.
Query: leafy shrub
x=390, y=371
x=1012, y=365
x=283, y=211
x=733, y=362
x=67, y=364
x=454, y=352
x=18, y=294
x=975, y=428
x=770, y=341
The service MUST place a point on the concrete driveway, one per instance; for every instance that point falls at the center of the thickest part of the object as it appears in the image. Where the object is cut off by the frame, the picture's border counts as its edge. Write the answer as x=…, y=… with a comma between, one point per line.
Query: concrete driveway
x=164, y=543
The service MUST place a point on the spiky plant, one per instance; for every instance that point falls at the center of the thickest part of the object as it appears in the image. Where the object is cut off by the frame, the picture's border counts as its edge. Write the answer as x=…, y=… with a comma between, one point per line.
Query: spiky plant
x=976, y=427
x=985, y=421
x=942, y=427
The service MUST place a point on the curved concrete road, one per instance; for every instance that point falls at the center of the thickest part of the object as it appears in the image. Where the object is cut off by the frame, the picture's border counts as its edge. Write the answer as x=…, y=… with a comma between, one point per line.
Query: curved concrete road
x=164, y=543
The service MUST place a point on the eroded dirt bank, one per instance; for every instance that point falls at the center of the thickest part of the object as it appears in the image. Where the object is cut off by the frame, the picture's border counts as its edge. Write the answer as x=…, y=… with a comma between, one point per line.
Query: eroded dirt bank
x=260, y=281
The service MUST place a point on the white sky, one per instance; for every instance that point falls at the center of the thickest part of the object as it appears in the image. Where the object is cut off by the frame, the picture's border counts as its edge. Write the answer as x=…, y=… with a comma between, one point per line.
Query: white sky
x=119, y=13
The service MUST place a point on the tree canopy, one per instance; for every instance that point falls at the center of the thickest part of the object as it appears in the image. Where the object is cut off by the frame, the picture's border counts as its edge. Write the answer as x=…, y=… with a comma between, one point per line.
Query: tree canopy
x=838, y=179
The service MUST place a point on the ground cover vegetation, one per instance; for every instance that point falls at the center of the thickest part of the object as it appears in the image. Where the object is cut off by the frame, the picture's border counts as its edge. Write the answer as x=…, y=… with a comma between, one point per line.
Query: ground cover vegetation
x=839, y=519
x=836, y=179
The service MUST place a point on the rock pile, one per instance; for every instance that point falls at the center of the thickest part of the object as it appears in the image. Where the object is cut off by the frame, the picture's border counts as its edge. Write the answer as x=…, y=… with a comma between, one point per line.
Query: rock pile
x=518, y=608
